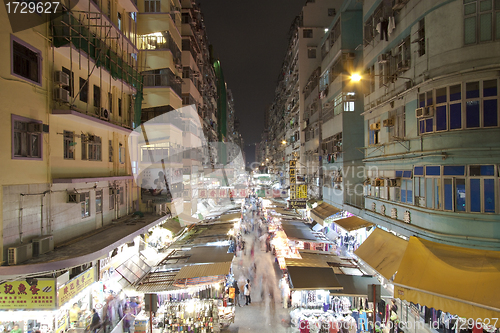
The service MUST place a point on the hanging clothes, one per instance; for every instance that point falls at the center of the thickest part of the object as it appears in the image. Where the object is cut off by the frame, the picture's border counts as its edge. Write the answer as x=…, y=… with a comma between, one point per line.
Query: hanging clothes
x=384, y=26
x=392, y=25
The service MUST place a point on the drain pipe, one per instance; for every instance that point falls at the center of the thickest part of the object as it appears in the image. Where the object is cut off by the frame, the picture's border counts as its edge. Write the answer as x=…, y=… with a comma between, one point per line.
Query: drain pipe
x=20, y=224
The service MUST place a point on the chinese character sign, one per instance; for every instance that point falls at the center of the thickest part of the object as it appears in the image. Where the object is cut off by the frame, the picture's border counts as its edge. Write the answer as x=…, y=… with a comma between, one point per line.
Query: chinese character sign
x=28, y=294
x=75, y=286
x=301, y=191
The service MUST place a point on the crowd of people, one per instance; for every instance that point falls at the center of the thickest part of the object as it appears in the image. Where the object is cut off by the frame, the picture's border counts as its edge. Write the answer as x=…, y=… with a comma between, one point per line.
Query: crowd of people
x=256, y=272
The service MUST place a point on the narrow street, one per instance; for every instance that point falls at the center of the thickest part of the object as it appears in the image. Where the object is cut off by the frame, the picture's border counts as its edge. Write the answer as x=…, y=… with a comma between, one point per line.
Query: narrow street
x=265, y=313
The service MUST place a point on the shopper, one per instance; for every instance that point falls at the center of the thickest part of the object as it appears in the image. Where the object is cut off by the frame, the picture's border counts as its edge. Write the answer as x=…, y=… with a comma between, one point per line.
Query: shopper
x=74, y=314
x=95, y=324
x=128, y=319
x=247, y=292
x=236, y=294
x=16, y=329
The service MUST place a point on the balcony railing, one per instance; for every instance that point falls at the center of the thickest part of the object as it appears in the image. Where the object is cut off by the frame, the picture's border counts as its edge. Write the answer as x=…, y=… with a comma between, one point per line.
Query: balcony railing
x=163, y=78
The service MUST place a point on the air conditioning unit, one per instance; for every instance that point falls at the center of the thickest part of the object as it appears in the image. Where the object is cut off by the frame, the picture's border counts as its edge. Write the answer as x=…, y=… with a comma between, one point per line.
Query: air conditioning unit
x=419, y=112
x=388, y=122
x=20, y=254
x=429, y=111
x=35, y=127
x=114, y=190
x=350, y=98
x=375, y=126
x=383, y=58
x=61, y=78
x=105, y=114
x=61, y=95
x=90, y=137
x=42, y=245
x=76, y=197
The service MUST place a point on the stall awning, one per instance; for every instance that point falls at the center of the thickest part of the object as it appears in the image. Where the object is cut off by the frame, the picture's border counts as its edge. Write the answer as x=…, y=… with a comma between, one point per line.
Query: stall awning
x=133, y=269
x=353, y=223
x=286, y=212
x=322, y=211
x=229, y=217
x=157, y=282
x=185, y=219
x=457, y=280
x=298, y=232
x=383, y=251
x=312, y=260
x=312, y=278
x=357, y=286
x=173, y=225
x=209, y=254
x=220, y=268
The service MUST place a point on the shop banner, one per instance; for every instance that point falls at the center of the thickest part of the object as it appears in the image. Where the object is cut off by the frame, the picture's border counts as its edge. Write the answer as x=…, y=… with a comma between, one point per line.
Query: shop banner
x=232, y=193
x=75, y=286
x=242, y=193
x=269, y=193
x=214, y=193
x=62, y=321
x=231, y=292
x=28, y=294
x=202, y=193
x=223, y=193
x=276, y=193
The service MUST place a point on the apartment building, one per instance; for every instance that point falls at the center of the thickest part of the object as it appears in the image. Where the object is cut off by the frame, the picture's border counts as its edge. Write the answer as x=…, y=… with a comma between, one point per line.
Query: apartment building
x=70, y=91
x=431, y=109
x=286, y=137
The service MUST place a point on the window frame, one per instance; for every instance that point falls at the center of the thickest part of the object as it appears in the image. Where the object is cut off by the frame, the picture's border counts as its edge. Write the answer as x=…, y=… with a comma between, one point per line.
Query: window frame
x=31, y=48
x=15, y=118
x=99, y=205
x=85, y=206
x=69, y=138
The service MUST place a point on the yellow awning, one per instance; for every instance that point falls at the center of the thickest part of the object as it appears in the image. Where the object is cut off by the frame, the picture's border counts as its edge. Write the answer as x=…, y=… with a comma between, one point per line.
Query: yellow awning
x=322, y=211
x=457, y=280
x=383, y=251
x=353, y=223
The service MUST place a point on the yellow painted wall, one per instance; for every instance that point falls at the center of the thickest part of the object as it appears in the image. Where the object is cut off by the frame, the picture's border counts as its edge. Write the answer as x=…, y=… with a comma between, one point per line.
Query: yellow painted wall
x=151, y=60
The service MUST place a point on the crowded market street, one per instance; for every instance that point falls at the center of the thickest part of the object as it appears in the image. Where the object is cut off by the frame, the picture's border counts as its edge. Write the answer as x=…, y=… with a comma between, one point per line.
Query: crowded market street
x=265, y=313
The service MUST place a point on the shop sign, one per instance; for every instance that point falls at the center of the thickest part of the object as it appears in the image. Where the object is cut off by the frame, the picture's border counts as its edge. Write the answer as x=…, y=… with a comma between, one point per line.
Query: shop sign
x=202, y=193
x=222, y=193
x=301, y=191
x=28, y=294
x=297, y=204
x=75, y=286
x=61, y=322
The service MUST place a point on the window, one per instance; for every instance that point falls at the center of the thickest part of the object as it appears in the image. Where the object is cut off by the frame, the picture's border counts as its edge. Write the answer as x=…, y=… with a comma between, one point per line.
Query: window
x=121, y=154
x=397, y=131
x=110, y=150
x=97, y=96
x=122, y=196
x=307, y=33
x=91, y=148
x=26, y=61
x=480, y=17
x=152, y=6
x=109, y=8
x=373, y=131
x=69, y=145
x=421, y=37
x=186, y=18
x=84, y=90
x=111, y=199
x=185, y=72
x=71, y=86
x=119, y=107
x=110, y=102
x=26, y=139
x=86, y=205
x=311, y=53
x=119, y=16
x=98, y=201
x=407, y=191
x=332, y=12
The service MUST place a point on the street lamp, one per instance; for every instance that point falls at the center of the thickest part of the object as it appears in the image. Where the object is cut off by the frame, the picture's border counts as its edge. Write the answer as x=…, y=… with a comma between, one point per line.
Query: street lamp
x=283, y=142
x=356, y=77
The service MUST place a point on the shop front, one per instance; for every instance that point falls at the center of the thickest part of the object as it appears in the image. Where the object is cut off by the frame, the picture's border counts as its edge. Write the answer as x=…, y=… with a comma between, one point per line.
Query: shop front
x=29, y=305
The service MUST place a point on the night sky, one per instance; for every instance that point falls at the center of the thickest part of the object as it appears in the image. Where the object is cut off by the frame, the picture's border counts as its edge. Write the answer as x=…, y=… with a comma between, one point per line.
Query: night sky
x=250, y=38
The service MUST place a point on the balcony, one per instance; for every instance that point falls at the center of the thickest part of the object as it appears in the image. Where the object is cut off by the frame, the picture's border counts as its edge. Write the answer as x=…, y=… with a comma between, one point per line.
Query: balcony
x=163, y=78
